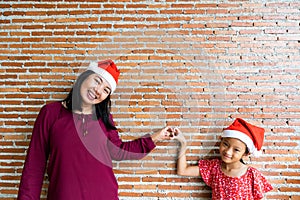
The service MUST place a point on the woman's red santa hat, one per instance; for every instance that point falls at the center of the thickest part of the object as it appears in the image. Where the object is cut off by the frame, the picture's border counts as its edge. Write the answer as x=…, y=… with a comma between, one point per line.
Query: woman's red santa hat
x=251, y=135
x=108, y=70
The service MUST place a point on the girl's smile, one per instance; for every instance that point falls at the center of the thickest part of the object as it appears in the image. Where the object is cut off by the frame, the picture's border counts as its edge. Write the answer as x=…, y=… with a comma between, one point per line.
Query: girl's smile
x=232, y=150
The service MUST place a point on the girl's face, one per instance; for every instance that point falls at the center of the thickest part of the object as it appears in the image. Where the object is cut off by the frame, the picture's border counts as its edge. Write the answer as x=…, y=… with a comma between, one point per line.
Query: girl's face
x=94, y=90
x=232, y=150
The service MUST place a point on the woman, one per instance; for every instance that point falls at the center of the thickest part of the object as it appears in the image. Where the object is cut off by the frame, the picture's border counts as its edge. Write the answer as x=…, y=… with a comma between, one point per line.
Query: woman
x=78, y=140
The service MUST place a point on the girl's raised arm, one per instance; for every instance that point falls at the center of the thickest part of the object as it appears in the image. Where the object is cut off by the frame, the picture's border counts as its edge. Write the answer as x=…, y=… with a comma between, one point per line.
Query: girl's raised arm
x=183, y=168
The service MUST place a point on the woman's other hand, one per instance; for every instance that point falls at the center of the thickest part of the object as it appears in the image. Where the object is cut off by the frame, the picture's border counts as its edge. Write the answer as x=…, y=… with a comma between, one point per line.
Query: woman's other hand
x=164, y=134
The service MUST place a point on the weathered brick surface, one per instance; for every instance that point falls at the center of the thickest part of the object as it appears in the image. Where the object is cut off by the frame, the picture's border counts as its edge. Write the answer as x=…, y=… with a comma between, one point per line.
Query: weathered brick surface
x=192, y=64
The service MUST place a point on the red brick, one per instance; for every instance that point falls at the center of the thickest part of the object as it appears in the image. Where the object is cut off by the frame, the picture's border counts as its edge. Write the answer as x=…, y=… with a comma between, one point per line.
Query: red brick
x=192, y=65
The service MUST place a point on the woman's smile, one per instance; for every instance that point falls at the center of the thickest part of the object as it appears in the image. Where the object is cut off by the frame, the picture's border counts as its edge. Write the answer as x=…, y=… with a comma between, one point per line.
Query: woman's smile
x=91, y=95
x=94, y=90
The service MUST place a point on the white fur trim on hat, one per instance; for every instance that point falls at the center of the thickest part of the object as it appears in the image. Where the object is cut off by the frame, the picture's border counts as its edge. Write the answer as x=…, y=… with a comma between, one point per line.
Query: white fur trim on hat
x=257, y=153
x=241, y=136
x=105, y=74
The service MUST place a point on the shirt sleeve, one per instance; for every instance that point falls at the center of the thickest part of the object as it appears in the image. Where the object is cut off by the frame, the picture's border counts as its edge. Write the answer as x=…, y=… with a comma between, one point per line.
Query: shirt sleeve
x=207, y=170
x=36, y=159
x=129, y=150
x=260, y=185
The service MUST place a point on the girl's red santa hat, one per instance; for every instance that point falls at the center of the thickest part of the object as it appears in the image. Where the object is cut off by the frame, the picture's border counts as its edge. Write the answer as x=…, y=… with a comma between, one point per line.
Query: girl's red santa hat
x=108, y=70
x=251, y=135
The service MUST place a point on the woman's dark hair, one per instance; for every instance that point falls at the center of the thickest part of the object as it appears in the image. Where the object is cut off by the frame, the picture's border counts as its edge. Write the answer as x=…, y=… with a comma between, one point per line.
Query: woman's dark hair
x=74, y=100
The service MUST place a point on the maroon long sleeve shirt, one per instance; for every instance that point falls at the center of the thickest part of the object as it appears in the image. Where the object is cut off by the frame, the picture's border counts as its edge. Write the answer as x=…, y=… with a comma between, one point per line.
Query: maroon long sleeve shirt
x=79, y=165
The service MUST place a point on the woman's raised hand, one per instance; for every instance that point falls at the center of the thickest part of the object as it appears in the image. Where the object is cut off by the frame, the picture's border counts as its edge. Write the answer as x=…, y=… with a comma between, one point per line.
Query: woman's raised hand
x=164, y=134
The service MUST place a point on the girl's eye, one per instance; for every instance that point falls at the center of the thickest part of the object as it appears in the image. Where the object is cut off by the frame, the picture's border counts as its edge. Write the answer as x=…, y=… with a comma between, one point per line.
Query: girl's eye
x=237, y=150
x=106, y=91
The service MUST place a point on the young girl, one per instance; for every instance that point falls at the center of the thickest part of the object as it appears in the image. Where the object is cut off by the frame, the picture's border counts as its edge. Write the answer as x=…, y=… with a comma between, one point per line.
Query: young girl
x=228, y=176
x=76, y=140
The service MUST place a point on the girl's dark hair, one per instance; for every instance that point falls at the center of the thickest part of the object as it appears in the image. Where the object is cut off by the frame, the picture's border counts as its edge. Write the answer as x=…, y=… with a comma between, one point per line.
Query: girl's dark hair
x=246, y=152
x=102, y=110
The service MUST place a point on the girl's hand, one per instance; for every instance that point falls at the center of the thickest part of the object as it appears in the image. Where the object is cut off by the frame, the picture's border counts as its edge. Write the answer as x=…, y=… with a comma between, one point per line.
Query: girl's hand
x=178, y=135
x=164, y=134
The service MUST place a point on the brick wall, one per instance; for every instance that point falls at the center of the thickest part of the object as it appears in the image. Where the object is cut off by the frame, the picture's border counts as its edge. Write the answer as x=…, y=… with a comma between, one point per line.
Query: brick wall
x=193, y=64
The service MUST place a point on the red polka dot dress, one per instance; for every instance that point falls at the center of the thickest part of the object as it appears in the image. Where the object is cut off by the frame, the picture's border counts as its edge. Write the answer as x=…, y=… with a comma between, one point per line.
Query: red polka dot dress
x=251, y=185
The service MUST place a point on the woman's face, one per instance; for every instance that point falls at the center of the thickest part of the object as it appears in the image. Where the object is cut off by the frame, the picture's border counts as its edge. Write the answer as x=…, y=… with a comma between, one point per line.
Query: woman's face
x=232, y=150
x=94, y=90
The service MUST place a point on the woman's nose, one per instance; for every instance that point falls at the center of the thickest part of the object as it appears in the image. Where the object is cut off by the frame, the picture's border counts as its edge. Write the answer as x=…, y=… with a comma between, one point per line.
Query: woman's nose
x=98, y=89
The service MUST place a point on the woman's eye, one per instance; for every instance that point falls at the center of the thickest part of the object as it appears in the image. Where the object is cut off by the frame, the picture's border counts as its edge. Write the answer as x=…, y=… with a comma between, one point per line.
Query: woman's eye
x=97, y=81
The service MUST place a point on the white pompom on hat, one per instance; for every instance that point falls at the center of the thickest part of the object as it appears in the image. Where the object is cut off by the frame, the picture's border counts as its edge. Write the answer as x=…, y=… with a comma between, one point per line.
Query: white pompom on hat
x=251, y=135
x=108, y=70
